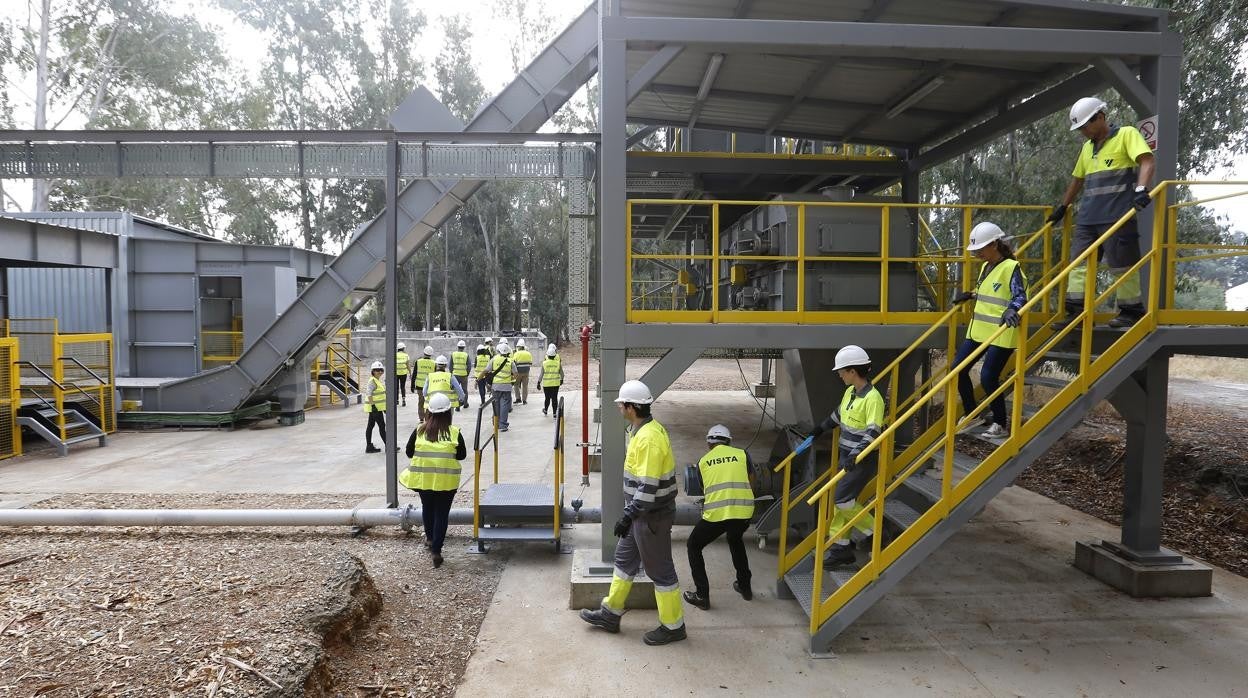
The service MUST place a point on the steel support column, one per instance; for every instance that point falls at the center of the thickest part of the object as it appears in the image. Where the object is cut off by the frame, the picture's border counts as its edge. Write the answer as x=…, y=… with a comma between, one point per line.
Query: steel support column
x=1162, y=76
x=612, y=175
x=392, y=321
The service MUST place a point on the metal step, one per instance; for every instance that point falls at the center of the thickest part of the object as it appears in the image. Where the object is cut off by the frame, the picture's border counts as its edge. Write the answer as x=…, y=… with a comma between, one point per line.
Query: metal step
x=802, y=583
x=924, y=485
x=1046, y=381
x=900, y=513
x=509, y=500
x=84, y=437
x=517, y=533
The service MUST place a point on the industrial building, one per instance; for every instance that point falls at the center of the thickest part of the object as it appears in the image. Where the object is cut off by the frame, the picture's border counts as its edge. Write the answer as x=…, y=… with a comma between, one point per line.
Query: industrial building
x=781, y=222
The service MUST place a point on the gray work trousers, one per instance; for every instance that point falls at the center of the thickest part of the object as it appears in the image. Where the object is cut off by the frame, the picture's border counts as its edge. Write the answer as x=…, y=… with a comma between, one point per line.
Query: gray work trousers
x=502, y=402
x=649, y=545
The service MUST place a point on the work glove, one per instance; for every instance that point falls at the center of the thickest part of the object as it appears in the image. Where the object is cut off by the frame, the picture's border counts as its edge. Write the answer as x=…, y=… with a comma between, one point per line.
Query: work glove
x=623, y=526
x=803, y=445
x=1141, y=200
x=1058, y=214
x=1010, y=317
x=963, y=297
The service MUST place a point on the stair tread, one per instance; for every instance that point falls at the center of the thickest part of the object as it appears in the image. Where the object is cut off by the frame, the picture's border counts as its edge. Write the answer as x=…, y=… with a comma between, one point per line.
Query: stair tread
x=1047, y=381
x=534, y=533
x=927, y=486
x=84, y=437
x=518, y=494
x=802, y=584
x=900, y=513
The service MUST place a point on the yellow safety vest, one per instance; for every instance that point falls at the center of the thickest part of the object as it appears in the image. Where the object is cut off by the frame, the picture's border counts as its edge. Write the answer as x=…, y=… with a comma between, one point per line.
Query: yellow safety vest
x=459, y=363
x=649, y=467
x=433, y=465
x=378, y=399
x=401, y=360
x=726, y=484
x=992, y=297
x=483, y=365
x=523, y=360
x=551, y=373
x=440, y=382
x=424, y=367
x=504, y=373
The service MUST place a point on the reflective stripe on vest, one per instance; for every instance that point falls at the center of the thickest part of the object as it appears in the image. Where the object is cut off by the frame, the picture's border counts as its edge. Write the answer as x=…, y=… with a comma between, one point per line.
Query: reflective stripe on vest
x=423, y=368
x=726, y=484
x=459, y=363
x=504, y=374
x=433, y=465
x=401, y=360
x=551, y=369
x=378, y=398
x=992, y=297
x=440, y=382
x=523, y=360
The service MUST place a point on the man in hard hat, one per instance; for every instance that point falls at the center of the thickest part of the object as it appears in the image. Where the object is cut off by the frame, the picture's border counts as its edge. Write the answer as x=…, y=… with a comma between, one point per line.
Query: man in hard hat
x=860, y=417
x=424, y=366
x=459, y=369
x=375, y=406
x=1116, y=165
x=489, y=346
x=401, y=363
x=501, y=376
x=524, y=362
x=481, y=371
x=727, y=508
x=551, y=378
x=442, y=382
x=645, y=529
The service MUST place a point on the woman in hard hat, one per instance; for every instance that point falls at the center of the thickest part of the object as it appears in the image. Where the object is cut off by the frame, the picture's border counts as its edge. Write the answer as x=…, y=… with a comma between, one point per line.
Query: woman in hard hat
x=435, y=448
x=999, y=294
x=375, y=406
x=551, y=378
x=860, y=417
x=402, y=363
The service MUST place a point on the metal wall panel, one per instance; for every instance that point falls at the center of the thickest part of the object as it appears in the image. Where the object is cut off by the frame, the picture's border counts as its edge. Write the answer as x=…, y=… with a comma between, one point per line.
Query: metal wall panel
x=76, y=297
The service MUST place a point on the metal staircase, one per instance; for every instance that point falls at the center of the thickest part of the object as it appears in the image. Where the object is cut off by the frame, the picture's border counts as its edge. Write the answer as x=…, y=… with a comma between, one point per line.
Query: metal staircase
x=332, y=298
x=58, y=420
x=510, y=511
x=928, y=488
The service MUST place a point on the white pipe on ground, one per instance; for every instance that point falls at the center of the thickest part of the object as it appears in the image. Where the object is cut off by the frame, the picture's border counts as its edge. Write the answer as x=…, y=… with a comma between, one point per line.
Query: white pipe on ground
x=408, y=517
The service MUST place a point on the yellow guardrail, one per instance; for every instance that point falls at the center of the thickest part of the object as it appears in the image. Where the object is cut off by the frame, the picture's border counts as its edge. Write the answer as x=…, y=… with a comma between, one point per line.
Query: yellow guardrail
x=478, y=449
x=1160, y=264
x=662, y=269
x=10, y=396
x=220, y=347
x=341, y=364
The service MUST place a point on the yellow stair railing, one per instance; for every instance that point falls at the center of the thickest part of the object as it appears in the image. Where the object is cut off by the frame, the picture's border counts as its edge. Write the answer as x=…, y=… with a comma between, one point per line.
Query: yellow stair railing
x=937, y=442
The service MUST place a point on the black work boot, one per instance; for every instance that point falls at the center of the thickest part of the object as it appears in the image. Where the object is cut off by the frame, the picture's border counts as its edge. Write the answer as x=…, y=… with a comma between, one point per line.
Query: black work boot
x=744, y=590
x=663, y=635
x=601, y=618
x=839, y=555
x=693, y=598
x=1127, y=316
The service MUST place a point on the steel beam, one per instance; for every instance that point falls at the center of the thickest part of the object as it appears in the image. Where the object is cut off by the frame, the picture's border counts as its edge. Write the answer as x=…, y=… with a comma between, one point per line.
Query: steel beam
x=755, y=336
x=783, y=100
x=1145, y=460
x=1123, y=79
x=1043, y=104
x=640, y=136
x=639, y=161
x=392, y=323
x=284, y=136
x=651, y=70
x=660, y=376
x=836, y=38
x=788, y=133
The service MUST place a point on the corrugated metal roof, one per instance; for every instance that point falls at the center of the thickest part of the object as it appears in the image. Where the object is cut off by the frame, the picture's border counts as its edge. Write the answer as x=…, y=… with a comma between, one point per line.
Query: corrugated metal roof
x=851, y=101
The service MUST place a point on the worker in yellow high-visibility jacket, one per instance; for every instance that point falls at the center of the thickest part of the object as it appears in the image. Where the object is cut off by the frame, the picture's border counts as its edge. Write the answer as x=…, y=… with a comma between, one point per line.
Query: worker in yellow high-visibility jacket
x=481, y=371
x=443, y=382
x=424, y=366
x=375, y=406
x=460, y=364
x=435, y=449
x=551, y=378
x=645, y=529
x=402, y=362
x=727, y=507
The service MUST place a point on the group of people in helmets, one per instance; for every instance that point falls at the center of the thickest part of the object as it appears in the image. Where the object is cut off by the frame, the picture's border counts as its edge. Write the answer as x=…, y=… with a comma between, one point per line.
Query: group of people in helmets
x=1117, y=166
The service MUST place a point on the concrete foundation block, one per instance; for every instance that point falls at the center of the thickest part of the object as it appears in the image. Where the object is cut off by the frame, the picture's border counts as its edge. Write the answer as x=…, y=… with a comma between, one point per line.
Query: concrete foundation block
x=1183, y=579
x=763, y=390
x=591, y=580
x=290, y=419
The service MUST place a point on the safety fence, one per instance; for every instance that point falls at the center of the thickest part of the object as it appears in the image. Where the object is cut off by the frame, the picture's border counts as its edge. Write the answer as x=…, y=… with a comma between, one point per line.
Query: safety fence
x=819, y=262
x=220, y=347
x=934, y=446
x=10, y=398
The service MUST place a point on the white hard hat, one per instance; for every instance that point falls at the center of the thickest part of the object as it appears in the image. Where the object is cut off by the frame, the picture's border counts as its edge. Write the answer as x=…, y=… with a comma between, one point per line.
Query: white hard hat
x=428, y=350
x=520, y=342
x=461, y=344
x=635, y=392
x=504, y=347
x=489, y=340
x=719, y=432
x=378, y=366
x=1083, y=111
x=851, y=355
x=480, y=347
x=438, y=403
x=401, y=346
x=551, y=351
x=551, y=347
x=440, y=361
x=983, y=234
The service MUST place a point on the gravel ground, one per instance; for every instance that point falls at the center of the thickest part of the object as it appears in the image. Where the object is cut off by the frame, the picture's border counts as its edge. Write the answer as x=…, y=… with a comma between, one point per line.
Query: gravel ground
x=159, y=612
